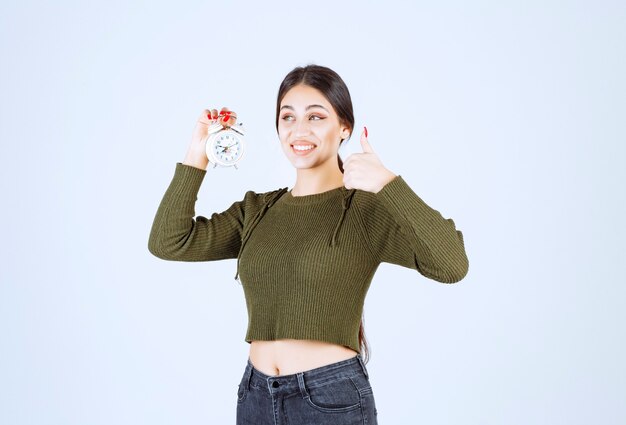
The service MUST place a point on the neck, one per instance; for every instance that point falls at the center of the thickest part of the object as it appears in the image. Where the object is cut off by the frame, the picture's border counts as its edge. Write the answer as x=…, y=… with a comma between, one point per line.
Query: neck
x=315, y=180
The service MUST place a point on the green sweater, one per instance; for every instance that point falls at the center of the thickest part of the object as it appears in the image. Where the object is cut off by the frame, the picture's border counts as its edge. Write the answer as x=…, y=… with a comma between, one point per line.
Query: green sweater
x=306, y=262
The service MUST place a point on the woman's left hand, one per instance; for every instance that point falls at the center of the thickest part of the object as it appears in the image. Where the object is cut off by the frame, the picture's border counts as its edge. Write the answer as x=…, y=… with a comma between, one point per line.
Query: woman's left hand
x=364, y=170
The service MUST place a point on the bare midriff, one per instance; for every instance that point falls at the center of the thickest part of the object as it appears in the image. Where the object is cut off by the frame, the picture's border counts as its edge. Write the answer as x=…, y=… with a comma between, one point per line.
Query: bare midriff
x=289, y=356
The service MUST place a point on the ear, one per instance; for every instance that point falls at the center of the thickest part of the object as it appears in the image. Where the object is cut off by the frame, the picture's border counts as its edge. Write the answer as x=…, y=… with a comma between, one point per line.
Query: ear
x=345, y=133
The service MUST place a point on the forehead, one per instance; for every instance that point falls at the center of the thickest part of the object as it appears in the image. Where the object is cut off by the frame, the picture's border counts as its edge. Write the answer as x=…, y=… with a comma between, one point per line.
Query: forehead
x=301, y=96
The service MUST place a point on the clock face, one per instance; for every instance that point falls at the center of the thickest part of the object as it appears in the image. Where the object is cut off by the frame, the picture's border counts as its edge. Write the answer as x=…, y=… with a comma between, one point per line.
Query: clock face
x=227, y=147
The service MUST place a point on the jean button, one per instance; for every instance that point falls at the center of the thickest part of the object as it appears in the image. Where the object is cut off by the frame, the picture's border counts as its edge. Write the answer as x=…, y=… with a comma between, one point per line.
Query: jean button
x=275, y=384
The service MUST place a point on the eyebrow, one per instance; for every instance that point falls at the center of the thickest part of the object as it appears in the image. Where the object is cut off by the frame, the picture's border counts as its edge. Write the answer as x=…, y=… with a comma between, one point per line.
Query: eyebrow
x=307, y=108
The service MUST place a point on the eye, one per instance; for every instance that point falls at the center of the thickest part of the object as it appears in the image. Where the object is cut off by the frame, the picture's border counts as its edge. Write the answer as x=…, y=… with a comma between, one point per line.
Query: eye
x=317, y=117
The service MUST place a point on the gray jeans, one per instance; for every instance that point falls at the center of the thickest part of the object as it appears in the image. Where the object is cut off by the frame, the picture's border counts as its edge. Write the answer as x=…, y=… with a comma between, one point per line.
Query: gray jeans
x=335, y=394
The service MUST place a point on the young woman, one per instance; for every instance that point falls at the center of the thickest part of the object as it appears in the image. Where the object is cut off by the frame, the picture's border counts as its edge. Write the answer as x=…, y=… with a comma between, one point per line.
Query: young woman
x=306, y=256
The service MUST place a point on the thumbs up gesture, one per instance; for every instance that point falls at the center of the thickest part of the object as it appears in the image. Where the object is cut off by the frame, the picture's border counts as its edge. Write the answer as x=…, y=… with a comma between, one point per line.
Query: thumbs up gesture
x=364, y=170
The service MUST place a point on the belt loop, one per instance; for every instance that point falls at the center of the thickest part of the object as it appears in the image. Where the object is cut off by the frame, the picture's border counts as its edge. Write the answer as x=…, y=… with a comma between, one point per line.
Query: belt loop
x=303, y=391
x=249, y=373
x=362, y=365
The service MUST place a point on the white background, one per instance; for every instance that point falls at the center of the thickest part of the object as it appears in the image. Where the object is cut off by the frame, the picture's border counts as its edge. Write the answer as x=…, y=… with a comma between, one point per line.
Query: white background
x=506, y=116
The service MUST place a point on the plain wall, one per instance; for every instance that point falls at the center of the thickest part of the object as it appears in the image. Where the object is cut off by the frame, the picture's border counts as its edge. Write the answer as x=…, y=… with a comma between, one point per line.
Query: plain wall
x=506, y=116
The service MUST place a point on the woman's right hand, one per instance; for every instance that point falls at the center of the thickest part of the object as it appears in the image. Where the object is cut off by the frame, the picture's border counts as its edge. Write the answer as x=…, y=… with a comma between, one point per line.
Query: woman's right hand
x=196, y=154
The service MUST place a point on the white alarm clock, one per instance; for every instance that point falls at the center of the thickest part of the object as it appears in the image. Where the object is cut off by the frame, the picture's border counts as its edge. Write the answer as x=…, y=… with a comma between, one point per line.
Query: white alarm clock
x=225, y=145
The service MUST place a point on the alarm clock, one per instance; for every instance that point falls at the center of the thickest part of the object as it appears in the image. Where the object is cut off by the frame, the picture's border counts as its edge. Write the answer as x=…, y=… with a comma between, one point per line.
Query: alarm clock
x=225, y=145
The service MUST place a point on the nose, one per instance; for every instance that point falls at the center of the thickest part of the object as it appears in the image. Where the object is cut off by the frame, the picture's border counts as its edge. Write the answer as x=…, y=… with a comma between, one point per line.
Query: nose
x=302, y=128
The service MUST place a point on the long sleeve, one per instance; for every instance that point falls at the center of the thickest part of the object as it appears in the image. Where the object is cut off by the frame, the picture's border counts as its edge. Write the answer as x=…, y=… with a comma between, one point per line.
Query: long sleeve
x=177, y=236
x=402, y=229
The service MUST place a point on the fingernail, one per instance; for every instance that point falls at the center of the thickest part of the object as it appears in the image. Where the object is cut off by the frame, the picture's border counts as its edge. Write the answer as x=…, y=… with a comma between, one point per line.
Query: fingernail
x=365, y=131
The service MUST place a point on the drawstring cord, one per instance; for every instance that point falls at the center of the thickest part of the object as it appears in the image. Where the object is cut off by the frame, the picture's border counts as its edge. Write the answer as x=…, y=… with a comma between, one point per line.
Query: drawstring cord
x=345, y=203
x=268, y=200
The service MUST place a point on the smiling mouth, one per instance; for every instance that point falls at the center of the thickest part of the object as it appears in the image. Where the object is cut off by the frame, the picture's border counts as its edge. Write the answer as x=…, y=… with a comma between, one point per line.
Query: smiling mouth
x=303, y=149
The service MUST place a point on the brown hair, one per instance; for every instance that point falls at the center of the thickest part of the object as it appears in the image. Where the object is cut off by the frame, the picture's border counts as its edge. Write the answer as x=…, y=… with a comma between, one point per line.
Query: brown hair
x=334, y=89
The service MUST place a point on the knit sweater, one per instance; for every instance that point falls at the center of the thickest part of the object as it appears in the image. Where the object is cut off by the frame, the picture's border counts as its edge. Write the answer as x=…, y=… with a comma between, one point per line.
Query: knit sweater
x=306, y=262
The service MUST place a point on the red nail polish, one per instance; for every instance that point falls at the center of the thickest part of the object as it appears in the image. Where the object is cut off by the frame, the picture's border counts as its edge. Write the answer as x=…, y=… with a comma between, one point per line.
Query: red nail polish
x=365, y=131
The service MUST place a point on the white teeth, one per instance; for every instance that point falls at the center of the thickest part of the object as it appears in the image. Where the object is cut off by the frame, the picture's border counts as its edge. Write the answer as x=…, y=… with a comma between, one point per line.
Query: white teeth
x=303, y=148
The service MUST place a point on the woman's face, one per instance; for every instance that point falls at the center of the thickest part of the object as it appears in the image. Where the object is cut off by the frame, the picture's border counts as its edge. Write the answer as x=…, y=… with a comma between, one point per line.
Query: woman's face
x=307, y=119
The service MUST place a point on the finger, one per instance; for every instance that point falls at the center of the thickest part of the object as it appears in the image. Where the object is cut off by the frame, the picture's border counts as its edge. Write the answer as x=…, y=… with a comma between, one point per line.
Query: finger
x=365, y=144
x=225, y=111
x=228, y=117
x=205, y=117
x=228, y=113
x=346, y=181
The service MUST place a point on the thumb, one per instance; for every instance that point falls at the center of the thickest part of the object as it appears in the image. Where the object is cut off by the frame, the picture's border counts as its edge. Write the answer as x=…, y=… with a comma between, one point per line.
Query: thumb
x=365, y=144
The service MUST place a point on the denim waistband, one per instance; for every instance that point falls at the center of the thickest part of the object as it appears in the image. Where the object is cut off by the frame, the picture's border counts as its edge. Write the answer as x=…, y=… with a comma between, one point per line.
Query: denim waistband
x=295, y=382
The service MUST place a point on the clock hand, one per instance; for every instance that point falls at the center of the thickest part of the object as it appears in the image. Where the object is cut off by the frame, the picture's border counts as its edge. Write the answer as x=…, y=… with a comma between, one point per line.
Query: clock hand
x=228, y=146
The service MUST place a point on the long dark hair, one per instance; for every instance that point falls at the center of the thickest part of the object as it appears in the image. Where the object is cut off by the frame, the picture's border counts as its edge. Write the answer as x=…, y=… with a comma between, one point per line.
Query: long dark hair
x=330, y=84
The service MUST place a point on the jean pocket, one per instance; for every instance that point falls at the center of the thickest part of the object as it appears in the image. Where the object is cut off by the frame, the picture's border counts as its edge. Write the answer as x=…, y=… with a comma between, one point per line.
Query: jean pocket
x=340, y=395
x=242, y=392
